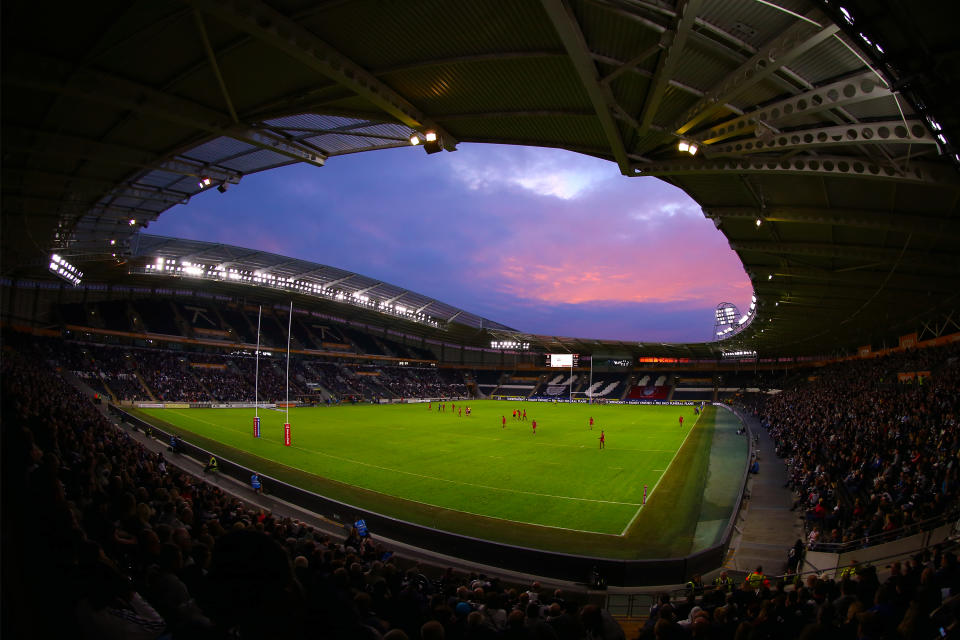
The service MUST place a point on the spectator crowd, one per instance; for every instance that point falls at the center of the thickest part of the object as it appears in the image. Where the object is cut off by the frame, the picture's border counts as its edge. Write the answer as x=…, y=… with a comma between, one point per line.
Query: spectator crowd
x=105, y=539
x=870, y=456
x=907, y=604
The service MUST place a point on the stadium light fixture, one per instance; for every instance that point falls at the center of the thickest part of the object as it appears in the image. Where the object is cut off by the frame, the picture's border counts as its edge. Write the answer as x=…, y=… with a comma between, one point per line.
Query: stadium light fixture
x=432, y=142
x=59, y=266
x=689, y=147
x=414, y=139
x=759, y=222
x=133, y=222
x=204, y=182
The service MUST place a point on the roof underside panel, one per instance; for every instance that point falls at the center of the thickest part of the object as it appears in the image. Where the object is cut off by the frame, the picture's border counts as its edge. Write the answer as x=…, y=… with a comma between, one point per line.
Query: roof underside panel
x=114, y=111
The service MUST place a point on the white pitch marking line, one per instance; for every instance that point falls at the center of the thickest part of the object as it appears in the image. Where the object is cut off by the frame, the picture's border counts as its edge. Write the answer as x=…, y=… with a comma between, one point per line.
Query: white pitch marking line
x=629, y=524
x=447, y=480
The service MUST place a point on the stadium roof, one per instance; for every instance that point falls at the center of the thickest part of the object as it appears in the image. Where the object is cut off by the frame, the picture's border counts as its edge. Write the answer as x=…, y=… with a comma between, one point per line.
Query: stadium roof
x=833, y=126
x=147, y=248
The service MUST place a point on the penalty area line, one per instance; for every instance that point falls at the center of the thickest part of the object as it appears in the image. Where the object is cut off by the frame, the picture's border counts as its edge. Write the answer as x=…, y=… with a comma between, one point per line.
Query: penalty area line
x=687, y=437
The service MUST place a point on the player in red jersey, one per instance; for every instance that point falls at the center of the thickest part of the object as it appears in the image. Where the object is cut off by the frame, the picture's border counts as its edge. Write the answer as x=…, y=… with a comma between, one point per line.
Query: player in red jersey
x=534, y=425
x=681, y=421
x=504, y=422
x=460, y=412
x=429, y=406
x=603, y=440
x=468, y=412
x=524, y=414
x=591, y=423
x=514, y=413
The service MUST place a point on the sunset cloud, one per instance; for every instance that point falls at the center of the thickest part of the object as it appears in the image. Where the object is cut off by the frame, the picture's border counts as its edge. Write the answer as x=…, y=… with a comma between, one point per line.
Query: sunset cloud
x=542, y=240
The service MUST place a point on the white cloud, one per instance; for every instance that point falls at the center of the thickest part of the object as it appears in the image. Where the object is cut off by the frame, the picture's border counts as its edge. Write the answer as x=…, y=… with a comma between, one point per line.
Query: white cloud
x=665, y=210
x=543, y=172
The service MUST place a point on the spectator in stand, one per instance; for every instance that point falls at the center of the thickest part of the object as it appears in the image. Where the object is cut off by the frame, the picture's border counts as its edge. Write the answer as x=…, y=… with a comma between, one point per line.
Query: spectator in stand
x=867, y=454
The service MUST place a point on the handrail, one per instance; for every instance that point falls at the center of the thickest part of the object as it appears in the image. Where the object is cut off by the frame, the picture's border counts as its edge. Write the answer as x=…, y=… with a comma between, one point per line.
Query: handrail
x=886, y=536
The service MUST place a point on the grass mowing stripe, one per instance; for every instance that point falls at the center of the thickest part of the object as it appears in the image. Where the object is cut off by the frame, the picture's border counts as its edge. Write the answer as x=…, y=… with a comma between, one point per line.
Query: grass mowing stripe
x=673, y=520
x=427, y=477
x=405, y=450
x=669, y=464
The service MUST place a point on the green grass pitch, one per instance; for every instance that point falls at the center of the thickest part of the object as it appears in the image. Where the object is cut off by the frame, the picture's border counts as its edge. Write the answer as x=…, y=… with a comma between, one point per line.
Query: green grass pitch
x=471, y=474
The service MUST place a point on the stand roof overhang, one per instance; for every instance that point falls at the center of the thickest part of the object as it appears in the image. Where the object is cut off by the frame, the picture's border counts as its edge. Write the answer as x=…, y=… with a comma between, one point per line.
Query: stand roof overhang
x=833, y=127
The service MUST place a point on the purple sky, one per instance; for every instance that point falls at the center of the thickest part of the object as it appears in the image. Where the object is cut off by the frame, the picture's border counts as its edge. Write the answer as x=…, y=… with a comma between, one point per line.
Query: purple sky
x=542, y=240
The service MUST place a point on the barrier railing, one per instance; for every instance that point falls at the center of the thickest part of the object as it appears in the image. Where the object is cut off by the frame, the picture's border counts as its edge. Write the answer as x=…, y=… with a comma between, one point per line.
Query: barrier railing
x=887, y=536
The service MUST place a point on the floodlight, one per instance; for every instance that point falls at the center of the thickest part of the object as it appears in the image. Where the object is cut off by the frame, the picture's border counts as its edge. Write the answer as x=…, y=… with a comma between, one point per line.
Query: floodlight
x=60, y=267
x=759, y=222
x=112, y=242
x=770, y=277
x=133, y=222
x=414, y=139
x=683, y=146
x=204, y=182
x=692, y=149
x=433, y=143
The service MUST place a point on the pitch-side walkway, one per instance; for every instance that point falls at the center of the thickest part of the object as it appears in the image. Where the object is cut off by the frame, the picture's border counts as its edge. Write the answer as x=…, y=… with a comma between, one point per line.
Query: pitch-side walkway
x=766, y=527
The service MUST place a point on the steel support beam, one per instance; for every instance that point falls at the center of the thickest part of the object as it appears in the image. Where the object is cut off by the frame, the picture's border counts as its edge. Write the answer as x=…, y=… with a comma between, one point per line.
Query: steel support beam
x=279, y=144
x=666, y=64
x=120, y=93
x=305, y=133
x=327, y=285
x=785, y=277
x=878, y=255
x=214, y=65
x=77, y=184
x=859, y=218
x=859, y=88
x=827, y=166
x=278, y=30
x=28, y=204
x=92, y=187
x=566, y=26
x=889, y=132
x=633, y=62
x=797, y=40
